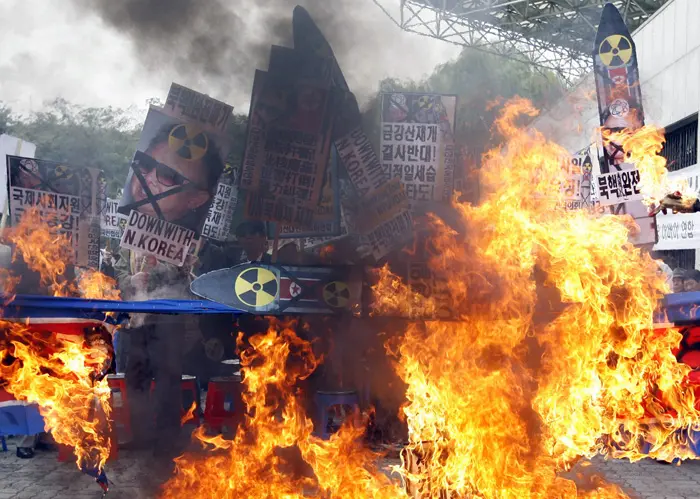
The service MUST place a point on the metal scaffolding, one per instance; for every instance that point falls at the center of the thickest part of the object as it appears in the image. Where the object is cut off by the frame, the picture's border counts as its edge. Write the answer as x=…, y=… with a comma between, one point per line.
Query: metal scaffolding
x=555, y=35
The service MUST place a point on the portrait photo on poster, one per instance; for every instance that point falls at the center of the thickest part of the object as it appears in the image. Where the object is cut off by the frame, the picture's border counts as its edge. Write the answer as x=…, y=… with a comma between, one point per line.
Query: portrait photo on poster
x=174, y=173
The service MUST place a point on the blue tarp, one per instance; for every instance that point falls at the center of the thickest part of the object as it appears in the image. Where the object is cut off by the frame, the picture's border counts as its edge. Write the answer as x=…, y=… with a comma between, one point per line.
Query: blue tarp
x=680, y=308
x=49, y=306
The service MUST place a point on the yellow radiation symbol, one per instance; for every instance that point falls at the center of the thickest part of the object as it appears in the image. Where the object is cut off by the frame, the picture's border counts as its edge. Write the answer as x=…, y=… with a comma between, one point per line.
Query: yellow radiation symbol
x=615, y=51
x=336, y=294
x=62, y=171
x=425, y=102
x=189, y=142
x=256, y=287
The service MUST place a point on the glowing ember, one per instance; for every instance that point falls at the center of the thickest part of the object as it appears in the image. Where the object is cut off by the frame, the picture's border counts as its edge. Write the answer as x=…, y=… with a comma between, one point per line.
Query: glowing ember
x=554, y=349
x=59, y=367
x=274, y=453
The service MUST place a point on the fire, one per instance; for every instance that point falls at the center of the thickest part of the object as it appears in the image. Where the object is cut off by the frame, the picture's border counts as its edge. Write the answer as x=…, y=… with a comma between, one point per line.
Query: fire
x=643, y=146
x=553, y=357
x=274, y=453
x=60, y=371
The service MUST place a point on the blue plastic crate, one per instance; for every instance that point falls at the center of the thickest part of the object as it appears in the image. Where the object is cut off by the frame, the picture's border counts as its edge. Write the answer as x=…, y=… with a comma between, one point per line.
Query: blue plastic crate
x=21, y=420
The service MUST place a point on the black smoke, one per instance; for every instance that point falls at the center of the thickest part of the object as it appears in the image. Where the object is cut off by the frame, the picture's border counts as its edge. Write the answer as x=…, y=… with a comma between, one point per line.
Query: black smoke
x=216, y=45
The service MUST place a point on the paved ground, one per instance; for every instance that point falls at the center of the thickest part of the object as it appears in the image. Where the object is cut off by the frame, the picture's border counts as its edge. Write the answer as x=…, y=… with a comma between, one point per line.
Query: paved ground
x=43, y=477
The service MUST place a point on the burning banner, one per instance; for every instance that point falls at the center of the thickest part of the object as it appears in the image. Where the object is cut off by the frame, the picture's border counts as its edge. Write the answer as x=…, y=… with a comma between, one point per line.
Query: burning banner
x=69, y=200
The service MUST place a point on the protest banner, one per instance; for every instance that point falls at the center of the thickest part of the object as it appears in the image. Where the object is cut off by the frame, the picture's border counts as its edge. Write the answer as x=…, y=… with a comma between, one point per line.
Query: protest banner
x=69, y=199
x=680, y=231
x=112, y=223
x=619, y=107
x=174, y=173
x=288, y=144
x=164, y=240
x=417, y=143
x=11, y=146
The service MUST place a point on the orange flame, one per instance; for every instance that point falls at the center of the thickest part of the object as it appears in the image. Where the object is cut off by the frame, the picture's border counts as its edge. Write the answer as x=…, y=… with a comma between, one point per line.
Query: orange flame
x=189, y=415
x=59, y=372
x=274, y=453
x=553, y=356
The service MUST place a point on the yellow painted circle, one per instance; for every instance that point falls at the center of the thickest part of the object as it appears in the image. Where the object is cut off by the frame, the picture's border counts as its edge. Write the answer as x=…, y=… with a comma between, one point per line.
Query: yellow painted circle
x=189, y=142
x=336, y=294
x=256, y=287
x=615, y=51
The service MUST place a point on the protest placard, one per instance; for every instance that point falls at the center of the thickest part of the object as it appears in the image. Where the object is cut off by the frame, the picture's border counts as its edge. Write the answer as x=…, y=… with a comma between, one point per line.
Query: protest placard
x=164, y=240
x=69, y=200
x=175, y=172
x=289, y=131
x=578, y=188
x=211, y=115
x=417, y=143
x=112, y=223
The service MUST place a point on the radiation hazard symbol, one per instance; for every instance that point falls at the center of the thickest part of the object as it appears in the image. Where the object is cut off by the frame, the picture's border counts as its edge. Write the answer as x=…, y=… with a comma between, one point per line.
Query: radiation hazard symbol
x=426, y=102
x=615, y=51
x=336, y=294
x=256, y=287
x=189, y=142
x=62, y=171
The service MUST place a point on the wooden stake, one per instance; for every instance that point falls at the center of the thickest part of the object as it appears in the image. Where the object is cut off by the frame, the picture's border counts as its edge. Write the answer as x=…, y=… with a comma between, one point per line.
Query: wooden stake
x=276, y=243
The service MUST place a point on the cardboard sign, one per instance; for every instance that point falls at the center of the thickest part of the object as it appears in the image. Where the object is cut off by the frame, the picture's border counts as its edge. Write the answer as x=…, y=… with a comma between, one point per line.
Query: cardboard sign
x=618, y=187
x=69, y=200
x=220, y=216
x=166, y=241
x=112, y=222
x=417, y=143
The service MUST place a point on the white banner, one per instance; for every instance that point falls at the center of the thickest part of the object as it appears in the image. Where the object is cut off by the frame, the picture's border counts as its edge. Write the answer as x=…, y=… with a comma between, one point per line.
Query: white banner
x=166, y=241
x=112, y=223
x=677, y=232
x=681, y=231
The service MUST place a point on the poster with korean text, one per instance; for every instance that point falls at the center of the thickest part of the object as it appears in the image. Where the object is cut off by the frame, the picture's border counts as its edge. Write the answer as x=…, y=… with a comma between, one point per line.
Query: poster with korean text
x=70, y=200
x=289, y=137
x=417, y=144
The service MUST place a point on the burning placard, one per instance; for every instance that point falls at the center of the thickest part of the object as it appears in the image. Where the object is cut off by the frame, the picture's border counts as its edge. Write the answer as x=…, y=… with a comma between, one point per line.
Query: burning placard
x=69, y=200
x=417, y=143
x=172, y=181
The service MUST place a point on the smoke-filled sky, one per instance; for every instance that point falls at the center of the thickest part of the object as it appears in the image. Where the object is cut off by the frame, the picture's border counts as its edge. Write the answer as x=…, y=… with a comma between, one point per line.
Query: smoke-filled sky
x=122, y=52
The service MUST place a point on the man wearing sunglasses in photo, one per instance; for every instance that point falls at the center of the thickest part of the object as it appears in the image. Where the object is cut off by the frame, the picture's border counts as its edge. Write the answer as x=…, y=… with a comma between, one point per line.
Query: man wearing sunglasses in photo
x=165, y=183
